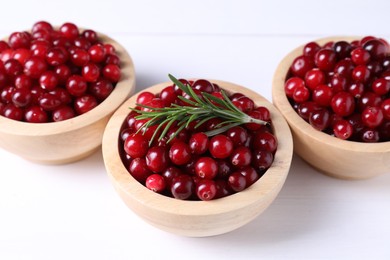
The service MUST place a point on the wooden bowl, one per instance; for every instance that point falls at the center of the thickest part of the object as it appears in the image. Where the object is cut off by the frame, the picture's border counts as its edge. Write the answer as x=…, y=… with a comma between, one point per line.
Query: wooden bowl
x=72, y=139
x=330, y=155
x=198, y=218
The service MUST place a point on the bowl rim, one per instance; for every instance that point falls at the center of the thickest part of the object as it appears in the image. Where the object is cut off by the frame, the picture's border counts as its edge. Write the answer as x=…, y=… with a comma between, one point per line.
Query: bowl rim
x=281, y=101
x=116, y=97
x=261, y=190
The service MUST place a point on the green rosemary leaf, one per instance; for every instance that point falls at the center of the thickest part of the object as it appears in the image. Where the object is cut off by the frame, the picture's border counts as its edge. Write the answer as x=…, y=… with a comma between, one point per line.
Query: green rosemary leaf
x=198, y=108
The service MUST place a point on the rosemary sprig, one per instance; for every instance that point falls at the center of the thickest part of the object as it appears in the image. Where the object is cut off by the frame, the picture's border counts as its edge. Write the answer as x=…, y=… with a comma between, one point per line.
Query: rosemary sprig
x=203, y=109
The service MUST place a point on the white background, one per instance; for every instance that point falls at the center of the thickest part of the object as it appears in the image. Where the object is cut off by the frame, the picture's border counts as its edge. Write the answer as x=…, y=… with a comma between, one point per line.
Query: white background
x=72, y=212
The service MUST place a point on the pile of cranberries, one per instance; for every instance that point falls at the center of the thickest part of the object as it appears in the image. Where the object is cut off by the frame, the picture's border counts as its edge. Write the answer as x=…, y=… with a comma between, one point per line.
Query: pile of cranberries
x=193, y=166
x=50, y=75
x=343, y=88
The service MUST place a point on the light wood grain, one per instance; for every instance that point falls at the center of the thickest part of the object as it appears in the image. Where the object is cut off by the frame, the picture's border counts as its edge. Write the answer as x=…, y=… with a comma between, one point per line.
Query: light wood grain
x=330, y=155
x=73, y=139
x=198, y=218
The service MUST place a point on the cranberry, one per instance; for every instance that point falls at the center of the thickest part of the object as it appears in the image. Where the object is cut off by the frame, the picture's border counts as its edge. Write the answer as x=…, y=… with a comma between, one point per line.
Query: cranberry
x=156, y=183
x=291, y=84
x=343, y=129
x=376, y=48
x=360, y=56
x=372, y=117
x=139, y=169
x=48, y=80
x=320, y=119
x=85, y=103
x=19, y=40
x=182, y=187
x=63, y=113
x=69, y=31
x=76, y=85
x=265, y=141
x=21, y=97
x=220, y=146
x=56, y=56
x=314, y=77
x=34, y=67
x=112, y=72
x=90, y=72
x=136, y=145
x=35, y=114
x=203, y=86
x=206, y=190
x=238, y=135
x=12, y=112
x=325, y=59
x=311, y=49
x=101, y=89
x=180, y=153
x=237, y=181
x=157, y=159
x=97, y=53
x=262, y=160
x=241, y=156
x=206, y=168
x=301, y=65
x=343, y=103
x=322, y=95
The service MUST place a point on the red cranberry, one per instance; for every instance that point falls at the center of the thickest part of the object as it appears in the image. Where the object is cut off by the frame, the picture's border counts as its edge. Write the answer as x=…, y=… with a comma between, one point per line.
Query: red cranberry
x=206, y=168
x=156, y=183
x=85, y=103
x=206, y=190
x=182, y=187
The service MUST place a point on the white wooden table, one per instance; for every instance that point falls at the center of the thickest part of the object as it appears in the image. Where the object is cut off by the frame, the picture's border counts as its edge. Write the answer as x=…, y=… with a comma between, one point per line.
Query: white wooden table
x=72, y=212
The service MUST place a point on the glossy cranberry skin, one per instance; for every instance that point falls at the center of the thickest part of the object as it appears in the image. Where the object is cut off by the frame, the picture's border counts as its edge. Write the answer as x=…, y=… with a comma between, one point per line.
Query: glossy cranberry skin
x=301, y=65
x=342, y=49
x=63, y=113
x=385, y=106
x=237, y=182
x=101, y=89
x=182, y=187
x=325, y=59
x=180, y=153
x=206, y=168
x=21, y=97
x=12, y=112
x=19, y=40
x=301, y=94
x=156, y=183
x=313, y=78
x=90, y=72
x=343, y=103
x=320, y=119
x=69, y=31
x=34, y=67
x=265, y=141
x=238, y=135
x=139, y=169
x=322, y=95
x=220, y=146
x=85, y=103
x=136, y=145
x=48, y=80
x=76, y=85
x=310, y=49
x=13, y=68
x=206, y=190
x=376, y=48
x=291, y=84
x=372, y=117
x=157, y=159
x=250, y=174
x=241, y=156
x=203, y=86
x=23, y=81
x=97, y=53
x=262, y=160
x=369, y=135
x=361, y=74
x=381, y=86
x=112, y=72
x=305, y=109
x=49, y=101
x=168, y=96
x=360, y=56
x=343, y=129
x=35, y=114
x=56, y=56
